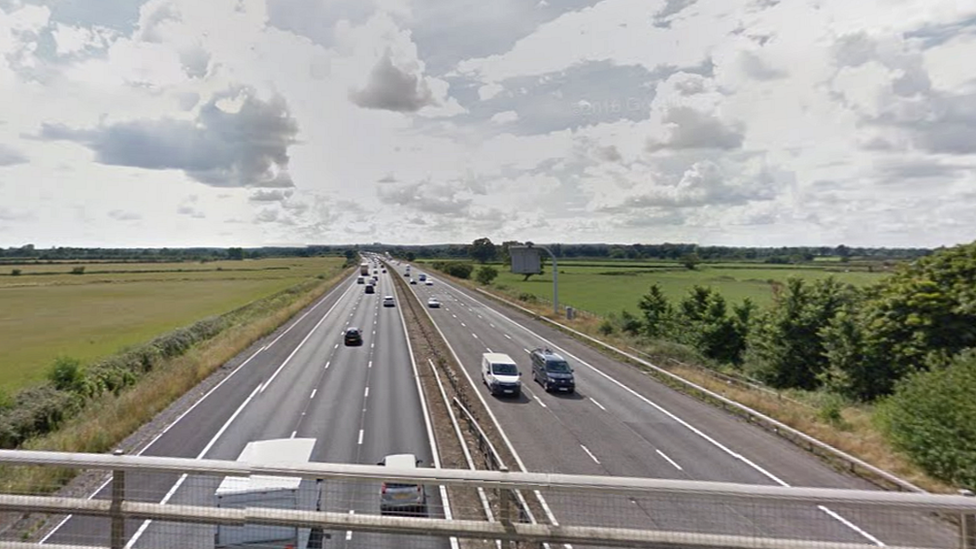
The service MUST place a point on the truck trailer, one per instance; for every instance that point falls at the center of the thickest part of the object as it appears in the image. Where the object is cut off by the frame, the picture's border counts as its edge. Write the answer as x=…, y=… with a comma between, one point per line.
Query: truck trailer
x=272, y=492
x=364, y=268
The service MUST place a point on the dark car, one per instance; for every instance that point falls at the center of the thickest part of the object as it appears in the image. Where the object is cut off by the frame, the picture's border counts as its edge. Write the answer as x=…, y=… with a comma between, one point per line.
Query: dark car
x=370, y=289
x=353, y=337
x=552, y=371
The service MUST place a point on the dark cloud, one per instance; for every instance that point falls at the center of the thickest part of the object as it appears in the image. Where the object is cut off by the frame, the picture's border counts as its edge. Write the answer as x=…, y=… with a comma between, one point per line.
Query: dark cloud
x=608, y=154
x=756, y=68
x=671, y=7
x=692, y=129
x=393, y=89
x=933, y=35
x=10, y=156
x=122, y=215
x=248, y=148
x=387, y=179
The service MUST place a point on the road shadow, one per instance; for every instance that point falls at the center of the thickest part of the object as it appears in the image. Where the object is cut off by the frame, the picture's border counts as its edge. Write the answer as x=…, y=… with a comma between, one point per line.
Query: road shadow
x=575, y=395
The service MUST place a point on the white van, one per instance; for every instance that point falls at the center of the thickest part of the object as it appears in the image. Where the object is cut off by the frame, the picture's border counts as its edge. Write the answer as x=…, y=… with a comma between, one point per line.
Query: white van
x=501, y=374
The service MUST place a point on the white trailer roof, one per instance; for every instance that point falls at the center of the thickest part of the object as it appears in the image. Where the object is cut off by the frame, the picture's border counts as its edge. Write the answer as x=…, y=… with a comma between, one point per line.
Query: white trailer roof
x=269, y=452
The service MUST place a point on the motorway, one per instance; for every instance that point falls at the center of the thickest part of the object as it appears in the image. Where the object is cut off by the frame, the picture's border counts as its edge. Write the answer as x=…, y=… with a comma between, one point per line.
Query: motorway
x=359, y=403
x=621, y=422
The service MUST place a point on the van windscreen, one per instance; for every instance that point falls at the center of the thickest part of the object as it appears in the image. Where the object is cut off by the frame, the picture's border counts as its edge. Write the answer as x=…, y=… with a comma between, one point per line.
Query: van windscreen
x=504, y=369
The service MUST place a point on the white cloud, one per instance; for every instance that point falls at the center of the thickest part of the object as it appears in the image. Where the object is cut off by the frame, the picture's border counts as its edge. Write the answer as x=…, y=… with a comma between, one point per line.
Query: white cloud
x=505, y=117
x=726, y=121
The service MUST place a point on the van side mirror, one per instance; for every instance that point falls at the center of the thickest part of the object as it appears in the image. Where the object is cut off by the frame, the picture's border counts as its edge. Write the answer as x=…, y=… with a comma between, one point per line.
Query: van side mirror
x=419, y=461
x=381, y=462
x=520, y=374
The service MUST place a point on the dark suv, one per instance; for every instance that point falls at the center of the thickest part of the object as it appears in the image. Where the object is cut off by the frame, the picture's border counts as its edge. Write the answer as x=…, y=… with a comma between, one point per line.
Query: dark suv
x=552, y=371
x=353, y=337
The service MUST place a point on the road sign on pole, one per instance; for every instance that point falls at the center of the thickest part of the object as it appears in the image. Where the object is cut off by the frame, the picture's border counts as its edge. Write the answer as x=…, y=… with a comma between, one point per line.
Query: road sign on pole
x=525, y=260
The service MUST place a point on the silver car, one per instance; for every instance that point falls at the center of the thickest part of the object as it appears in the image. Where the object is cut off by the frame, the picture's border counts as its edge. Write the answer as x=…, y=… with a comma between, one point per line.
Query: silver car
x=398, y=497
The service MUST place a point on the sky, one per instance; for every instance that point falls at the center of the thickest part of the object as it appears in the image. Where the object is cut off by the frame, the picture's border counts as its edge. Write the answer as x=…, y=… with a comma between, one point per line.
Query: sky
x=131, y=123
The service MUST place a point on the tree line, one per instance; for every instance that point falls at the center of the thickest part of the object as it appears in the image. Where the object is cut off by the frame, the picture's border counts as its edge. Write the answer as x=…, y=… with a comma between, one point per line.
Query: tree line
x=907, y=343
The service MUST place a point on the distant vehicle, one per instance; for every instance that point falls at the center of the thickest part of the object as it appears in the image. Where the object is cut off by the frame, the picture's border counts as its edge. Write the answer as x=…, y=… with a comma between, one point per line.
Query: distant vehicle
x=370, y=289
x=401, y=497
x=384, y=271
x=364, y=269
x=433, y=303
x=501, y=374
x=269, y=491
x=388, y=301
x=361, y=280
x=413, y=281
x=406, y=274
x=552, y=371
x=429, y=282
x=376, y=271
x=422, y=277
x=353, y=337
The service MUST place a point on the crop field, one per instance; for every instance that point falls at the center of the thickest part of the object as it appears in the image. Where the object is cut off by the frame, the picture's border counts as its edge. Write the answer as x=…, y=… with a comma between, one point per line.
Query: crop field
x=602, y=287
x=46, y=312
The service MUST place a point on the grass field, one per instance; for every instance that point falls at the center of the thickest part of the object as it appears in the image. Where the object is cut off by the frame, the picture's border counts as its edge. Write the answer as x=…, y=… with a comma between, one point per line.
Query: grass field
x=602, y=287
x=98, y=313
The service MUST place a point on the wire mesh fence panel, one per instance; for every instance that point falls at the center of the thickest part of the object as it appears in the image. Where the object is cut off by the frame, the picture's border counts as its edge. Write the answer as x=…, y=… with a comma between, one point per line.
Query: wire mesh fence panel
x=758, y=519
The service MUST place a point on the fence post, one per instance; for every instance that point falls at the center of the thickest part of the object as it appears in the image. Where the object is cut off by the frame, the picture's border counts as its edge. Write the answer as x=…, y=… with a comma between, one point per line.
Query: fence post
x=967, y=526
x=505, y=501
x=117, y=540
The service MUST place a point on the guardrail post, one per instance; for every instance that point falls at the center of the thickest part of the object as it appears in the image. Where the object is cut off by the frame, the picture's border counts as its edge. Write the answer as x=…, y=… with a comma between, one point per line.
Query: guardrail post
x=967, y=526
x=118, y=495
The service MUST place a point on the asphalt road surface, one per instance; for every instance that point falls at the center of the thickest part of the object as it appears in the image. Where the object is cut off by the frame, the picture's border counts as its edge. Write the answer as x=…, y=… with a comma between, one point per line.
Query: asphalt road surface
x=621, y=422
x=359, y=403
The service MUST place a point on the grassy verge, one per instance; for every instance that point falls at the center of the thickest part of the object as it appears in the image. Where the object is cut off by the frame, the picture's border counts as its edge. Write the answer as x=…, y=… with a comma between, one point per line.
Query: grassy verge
x=850, y=428
x=105, y=422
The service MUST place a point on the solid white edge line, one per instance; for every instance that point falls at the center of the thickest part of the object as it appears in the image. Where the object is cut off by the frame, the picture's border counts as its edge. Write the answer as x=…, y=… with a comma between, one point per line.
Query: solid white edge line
x=494, y=419
x=693, y=429
x=194, y=405
x=669, y=460
x=435, y=455
x=589, y=453
x=304, y=340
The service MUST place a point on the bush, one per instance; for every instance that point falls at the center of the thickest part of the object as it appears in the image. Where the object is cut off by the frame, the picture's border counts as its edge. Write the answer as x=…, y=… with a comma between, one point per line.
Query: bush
x=80, y=270
x=15, y=272
x=454, y=268
x=486, y=274
x=527, y=297
x=66, y=374
x=932, y=418
x=630, y=324
x=605, y=327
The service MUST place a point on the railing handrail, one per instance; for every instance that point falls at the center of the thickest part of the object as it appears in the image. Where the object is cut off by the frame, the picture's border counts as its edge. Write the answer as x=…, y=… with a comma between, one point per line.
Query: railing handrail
x=494, y=479
x=545, y=533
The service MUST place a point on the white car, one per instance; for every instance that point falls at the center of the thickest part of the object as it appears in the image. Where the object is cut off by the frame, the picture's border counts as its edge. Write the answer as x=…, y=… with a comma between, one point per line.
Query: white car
x=433, y=303
x=429, y=282
x=388, y=301
x=501, y=374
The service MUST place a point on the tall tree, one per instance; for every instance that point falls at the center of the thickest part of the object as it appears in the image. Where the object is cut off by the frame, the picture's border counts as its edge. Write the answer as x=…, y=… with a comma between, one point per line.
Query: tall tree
x=482, y=250
x=657, y=312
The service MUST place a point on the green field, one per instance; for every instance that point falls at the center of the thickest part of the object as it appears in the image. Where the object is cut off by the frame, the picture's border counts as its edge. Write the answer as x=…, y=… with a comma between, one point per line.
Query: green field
x=46, y=312
x=607, y=286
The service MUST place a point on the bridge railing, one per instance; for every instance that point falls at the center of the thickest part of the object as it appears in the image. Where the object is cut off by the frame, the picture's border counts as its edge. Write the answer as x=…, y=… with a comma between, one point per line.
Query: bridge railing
x=166, y=502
